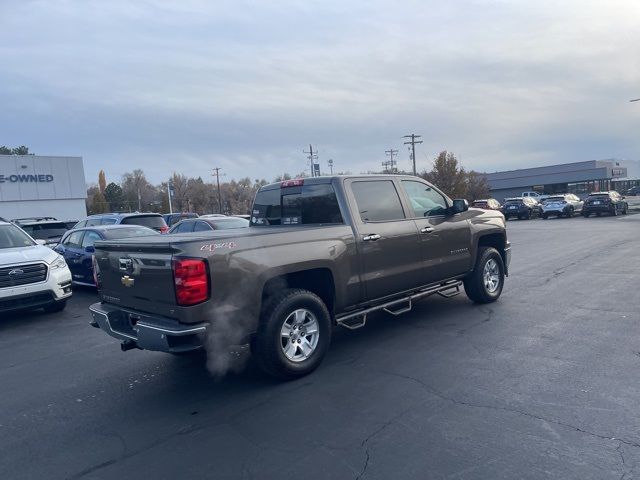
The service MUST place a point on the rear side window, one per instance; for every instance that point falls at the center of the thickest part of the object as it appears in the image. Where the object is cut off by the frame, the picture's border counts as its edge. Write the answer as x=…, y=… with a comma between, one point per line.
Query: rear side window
x=202, y=227
x=296, y=205
x=151, y=221
x=90, y=238
x=74, y=239
x=378, y=201
x=108, y=221
x=183, y=227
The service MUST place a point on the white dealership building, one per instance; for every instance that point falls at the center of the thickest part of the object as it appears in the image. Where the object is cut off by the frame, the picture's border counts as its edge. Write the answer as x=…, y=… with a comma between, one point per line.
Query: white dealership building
x=42, y=186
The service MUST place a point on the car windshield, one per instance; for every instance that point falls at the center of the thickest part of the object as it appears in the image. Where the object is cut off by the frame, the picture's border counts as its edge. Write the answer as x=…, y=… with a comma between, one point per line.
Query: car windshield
x=514, y=202
x=229, y=223
x=45, y=231
x=553, y=199
x=12, y=237
x=129, y=232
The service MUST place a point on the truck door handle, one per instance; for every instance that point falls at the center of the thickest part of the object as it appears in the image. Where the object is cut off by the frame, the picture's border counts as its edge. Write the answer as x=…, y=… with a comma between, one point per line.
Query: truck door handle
x=427, y=229
x=371, y=238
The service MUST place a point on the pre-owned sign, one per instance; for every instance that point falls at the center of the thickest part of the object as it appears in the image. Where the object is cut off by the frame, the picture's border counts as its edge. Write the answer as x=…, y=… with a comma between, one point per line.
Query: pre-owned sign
x=22, y=178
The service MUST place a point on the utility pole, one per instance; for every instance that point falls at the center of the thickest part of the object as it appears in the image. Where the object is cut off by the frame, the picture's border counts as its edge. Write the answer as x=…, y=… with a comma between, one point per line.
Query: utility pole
x=330, y=163
x=413, y=142
x=216, y=172
x=312, y=157
x=170, y=194
x=390, y=165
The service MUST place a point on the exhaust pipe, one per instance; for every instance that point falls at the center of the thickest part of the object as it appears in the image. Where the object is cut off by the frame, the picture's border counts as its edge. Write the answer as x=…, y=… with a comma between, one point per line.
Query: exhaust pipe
x=128, y=345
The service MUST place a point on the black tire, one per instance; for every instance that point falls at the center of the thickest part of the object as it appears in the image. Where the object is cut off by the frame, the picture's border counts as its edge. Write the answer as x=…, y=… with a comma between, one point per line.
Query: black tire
x=624, y=210
x=545, y=216
x=267, y=347
x=570, y=212
x=528, y=215
x=597, y=214
x=474, y=284
x=614, y=211
x=55, y=307
x=585, y=214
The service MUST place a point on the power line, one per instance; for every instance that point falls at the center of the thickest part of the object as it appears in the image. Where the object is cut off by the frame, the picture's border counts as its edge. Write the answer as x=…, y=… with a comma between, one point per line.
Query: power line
x=413, y=142
x=390, y=165
x=312, y=157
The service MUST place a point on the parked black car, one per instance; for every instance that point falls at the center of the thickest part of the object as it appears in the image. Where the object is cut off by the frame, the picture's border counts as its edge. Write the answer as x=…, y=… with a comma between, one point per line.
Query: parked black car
x=50, y=231
x=521, y=208
x=634, y=191
x=605, y=202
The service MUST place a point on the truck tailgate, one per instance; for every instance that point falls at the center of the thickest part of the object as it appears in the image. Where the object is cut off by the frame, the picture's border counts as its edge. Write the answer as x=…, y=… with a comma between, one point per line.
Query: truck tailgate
x=138, y=276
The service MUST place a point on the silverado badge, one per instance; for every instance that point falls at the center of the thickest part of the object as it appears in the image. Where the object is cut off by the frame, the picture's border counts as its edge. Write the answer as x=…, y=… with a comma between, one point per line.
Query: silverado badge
x=127, y=281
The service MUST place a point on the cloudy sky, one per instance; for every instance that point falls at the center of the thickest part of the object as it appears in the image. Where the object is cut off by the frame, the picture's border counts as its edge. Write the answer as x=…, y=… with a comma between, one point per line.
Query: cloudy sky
x=246, y=85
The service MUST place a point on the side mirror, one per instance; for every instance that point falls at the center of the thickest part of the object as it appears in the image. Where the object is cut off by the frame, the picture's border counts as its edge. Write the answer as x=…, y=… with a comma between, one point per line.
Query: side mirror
x=90, y=249
x=459, y=205
x=40, y=241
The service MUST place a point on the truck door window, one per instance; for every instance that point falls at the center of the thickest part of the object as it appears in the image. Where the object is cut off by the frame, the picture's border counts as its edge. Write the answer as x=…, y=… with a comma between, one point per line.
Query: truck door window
x=378, y=201
x=425, y=201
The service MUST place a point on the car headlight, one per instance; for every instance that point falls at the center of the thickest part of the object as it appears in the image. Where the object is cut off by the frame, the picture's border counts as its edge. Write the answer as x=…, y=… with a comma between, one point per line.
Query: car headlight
x=58, y=263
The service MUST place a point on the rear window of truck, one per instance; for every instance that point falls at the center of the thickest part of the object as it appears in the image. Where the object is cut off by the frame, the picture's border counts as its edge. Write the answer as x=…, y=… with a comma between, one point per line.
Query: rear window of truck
x=296, y=205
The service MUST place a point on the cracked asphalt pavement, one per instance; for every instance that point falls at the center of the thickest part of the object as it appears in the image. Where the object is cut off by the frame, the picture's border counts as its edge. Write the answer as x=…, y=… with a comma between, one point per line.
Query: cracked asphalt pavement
x=542, y=384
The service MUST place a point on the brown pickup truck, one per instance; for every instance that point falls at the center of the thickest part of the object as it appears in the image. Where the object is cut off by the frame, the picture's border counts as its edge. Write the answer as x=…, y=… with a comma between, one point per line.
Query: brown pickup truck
x=319, y=252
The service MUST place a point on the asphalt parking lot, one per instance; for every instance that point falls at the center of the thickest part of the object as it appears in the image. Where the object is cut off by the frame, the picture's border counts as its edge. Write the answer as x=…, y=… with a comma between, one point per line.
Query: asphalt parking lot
x=541, y=384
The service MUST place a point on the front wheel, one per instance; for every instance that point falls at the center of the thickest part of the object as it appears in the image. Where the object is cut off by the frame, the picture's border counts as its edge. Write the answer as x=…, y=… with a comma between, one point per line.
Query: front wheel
x=570, y=213
x=484, y=284
x=294, y=334
x=624, y=210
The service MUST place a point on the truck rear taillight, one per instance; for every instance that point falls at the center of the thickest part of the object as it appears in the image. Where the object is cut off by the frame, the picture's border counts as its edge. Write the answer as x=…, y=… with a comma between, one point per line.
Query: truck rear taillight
x=191, y=281
x=164, y=229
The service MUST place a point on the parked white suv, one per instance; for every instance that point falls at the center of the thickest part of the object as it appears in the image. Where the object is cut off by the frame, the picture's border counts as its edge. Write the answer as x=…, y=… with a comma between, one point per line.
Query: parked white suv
x=31, y=275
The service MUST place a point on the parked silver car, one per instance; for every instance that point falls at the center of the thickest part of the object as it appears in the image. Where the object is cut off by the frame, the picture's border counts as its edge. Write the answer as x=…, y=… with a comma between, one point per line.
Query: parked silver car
x=564, y=205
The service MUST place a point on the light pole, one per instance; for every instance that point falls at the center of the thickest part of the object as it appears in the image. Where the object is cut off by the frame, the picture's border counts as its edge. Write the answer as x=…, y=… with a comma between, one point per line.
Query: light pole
x=330, y=162
x=170, y=194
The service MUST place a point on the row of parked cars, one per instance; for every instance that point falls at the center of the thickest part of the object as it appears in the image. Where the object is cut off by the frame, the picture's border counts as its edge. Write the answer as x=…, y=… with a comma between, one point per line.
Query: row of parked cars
x=562, y=205
x=41, y=258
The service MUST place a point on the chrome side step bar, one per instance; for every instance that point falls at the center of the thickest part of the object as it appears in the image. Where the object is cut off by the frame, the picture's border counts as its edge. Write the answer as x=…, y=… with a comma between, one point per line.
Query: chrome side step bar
x=358, y=319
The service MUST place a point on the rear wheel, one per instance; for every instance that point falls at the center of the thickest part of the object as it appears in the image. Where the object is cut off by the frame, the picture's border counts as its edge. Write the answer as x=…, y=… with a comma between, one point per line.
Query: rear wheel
x=484, y=284
x=624, y=210
x=294, y=334
x=55, y=307
x=614, y=211
x=545, y=216
x=570, y=212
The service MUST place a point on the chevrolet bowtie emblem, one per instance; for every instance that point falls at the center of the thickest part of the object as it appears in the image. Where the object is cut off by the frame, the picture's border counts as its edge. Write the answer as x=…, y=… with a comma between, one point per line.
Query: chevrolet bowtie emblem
x=127, y=281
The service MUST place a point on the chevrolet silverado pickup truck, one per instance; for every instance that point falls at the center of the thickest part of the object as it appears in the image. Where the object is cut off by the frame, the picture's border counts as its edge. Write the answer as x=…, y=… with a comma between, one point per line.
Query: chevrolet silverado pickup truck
x=320, y=252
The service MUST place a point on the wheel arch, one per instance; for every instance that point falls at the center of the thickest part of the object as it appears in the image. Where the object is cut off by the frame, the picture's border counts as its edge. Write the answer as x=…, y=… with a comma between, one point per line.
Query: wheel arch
x=316, y=280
